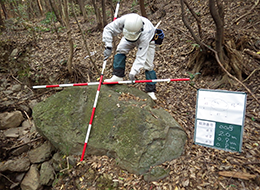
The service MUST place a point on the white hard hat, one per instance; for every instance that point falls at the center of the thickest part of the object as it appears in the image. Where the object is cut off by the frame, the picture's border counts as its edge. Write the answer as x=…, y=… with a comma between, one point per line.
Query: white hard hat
x=133, y=27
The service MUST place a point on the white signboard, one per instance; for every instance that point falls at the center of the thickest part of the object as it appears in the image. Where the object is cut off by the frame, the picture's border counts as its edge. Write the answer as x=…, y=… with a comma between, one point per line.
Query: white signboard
x=220, y=119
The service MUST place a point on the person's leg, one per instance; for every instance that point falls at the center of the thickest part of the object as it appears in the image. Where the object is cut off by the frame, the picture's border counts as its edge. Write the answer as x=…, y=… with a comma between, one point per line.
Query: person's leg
x=150, y=74
x=119, y=65
x=150, y=86
x=119, y=60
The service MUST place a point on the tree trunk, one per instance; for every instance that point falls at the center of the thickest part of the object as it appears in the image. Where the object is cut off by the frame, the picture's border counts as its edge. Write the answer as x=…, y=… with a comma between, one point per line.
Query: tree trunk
x=104, y=12
x=98, y=17
x=82, y=9
x=56, y=12
x=2, y=26
x=47, y=6
x=4, y=9
x=142, y=8
x=40, y=7
x=187, y=24
x=112, y=8
x=217, y=14
x=66, y=17
x=30, y=12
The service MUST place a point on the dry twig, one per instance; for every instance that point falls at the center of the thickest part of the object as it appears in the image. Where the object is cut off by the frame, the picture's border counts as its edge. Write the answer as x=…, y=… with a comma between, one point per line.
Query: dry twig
x=239, y=175
x=251, y=74
x=24, y=144
x=84, y=40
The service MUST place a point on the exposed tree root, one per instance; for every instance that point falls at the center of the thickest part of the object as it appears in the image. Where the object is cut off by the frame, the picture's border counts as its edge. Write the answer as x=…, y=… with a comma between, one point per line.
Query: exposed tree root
x=76, y=76
x=224, y=81
x=206, y=64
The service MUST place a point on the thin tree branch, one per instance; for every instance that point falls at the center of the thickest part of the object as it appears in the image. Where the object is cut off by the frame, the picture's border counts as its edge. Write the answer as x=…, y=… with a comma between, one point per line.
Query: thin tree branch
x=196, y=17
x=7, y=178
x=251, y=74
x=17, y=146
x=84, y=40
x=187, y=24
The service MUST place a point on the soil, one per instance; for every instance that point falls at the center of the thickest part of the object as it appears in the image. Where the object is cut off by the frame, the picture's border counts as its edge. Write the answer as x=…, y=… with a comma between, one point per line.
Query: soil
x=44, y=58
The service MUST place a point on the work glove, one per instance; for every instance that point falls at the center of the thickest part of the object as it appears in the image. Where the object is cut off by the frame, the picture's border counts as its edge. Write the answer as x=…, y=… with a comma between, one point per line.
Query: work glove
x=132, y=78
x=107, y=52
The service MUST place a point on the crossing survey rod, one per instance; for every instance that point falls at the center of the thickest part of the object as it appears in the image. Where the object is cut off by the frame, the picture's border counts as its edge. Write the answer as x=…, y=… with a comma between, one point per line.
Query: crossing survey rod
x=109, y=83
x=96, y=98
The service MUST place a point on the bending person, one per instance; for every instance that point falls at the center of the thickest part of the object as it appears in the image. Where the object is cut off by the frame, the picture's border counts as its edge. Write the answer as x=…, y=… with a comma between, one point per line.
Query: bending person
x=137, y=32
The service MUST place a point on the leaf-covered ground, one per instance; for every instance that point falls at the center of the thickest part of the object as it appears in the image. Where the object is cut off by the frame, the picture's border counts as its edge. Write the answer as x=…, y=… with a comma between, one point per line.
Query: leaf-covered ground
x=199, y=166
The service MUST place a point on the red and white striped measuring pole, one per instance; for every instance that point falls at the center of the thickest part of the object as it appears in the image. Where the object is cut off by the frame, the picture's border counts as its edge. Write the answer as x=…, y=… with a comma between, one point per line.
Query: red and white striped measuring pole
x=97, y=94
x=116, y=11
x=93, y=110
x=108, y=83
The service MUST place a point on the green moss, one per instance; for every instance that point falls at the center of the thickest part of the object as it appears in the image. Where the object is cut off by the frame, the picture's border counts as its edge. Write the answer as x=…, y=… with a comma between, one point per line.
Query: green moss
x=137, y=136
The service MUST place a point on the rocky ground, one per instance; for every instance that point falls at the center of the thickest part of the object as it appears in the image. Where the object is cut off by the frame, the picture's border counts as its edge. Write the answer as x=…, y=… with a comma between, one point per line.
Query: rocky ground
x=41, y=59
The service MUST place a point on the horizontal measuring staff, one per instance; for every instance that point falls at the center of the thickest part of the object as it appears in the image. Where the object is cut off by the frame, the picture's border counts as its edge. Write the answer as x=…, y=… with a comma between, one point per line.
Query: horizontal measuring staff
x=66, y=85
x=107, y=83
x=145, y=81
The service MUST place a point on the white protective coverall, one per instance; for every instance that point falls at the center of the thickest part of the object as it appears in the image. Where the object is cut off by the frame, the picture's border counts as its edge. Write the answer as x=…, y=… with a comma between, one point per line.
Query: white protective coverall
x=145, y=45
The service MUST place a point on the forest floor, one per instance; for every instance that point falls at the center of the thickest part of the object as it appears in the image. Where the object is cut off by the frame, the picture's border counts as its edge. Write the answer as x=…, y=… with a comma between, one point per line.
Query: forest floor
x=199, y=166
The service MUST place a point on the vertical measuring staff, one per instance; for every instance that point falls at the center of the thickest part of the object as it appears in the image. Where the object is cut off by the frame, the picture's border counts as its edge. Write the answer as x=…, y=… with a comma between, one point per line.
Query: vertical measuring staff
x=93, y=111
x=116, y=11
x=96, y=98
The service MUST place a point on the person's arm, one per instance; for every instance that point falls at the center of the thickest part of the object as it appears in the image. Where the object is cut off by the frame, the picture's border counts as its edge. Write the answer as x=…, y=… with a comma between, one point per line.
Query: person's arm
x=112, y=29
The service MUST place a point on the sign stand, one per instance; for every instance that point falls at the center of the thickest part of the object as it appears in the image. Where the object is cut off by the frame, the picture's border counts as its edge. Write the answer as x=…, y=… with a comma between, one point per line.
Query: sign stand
x=220, y=118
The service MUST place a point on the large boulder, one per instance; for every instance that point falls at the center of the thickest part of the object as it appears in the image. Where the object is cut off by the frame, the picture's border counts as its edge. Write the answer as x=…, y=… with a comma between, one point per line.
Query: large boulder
x=125, y=126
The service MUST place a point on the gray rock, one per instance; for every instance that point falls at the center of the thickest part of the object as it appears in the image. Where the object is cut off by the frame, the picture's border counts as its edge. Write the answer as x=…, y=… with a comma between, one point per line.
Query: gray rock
x=14, y=54
x=41, y=153
x=32, y=103
x=31, y=180
x=16, y=165
x=16, y=88
x=19, y=177
x=72, y=160
x=125, y=126
x=10, y=119
x=58, y=162
x=8, y=92
x=25, y=108
x=11, y=133
x=46, y=174
x=27, y=124
x=33, y=128
x=16, y=132
x=20, y=150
